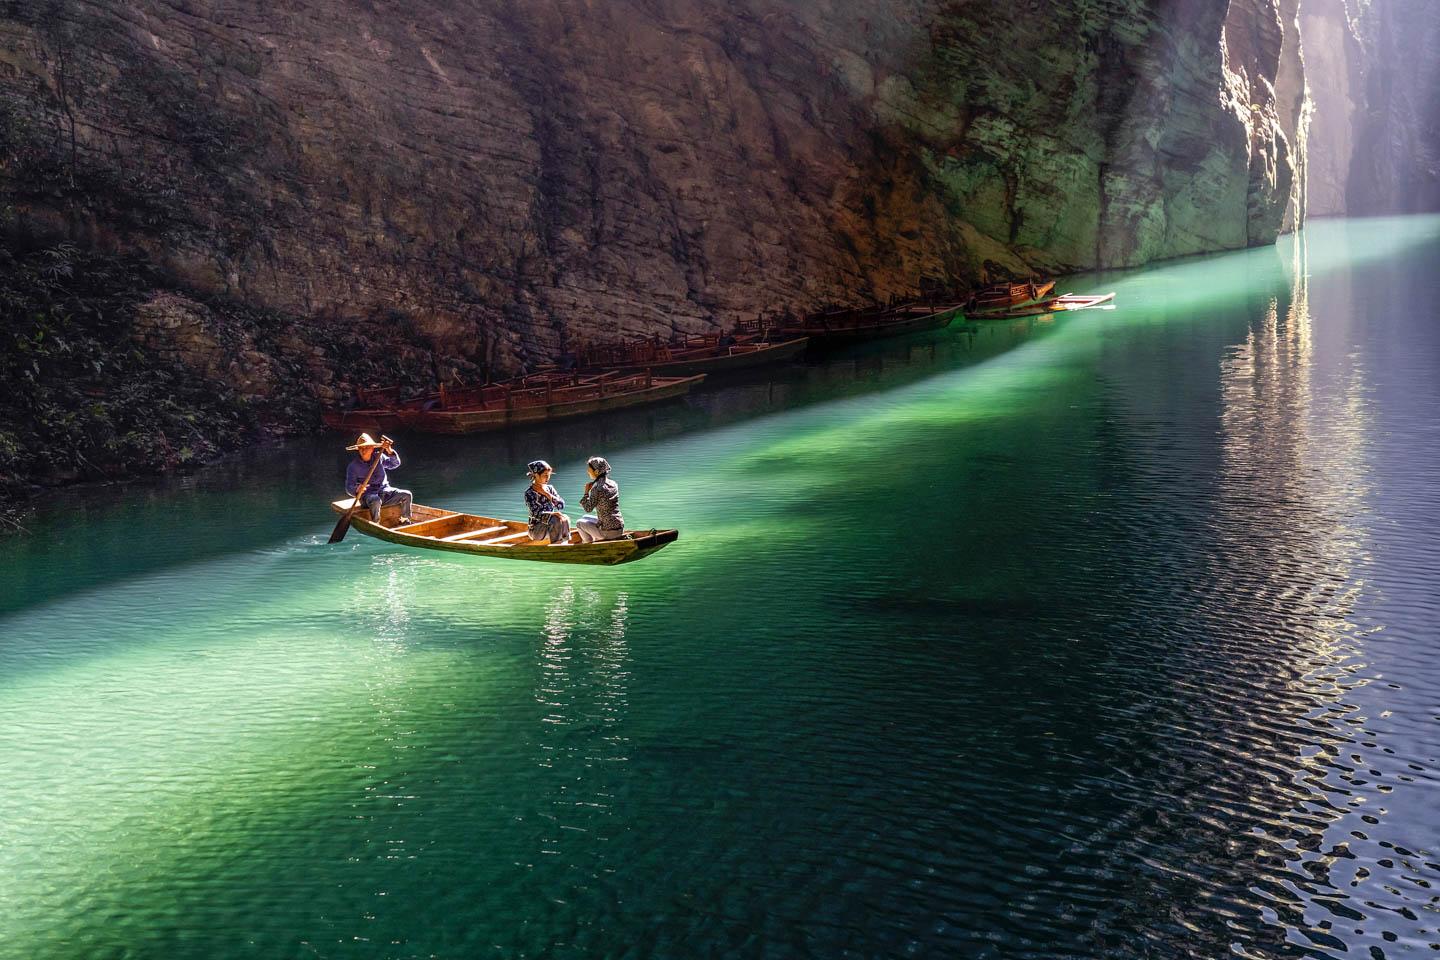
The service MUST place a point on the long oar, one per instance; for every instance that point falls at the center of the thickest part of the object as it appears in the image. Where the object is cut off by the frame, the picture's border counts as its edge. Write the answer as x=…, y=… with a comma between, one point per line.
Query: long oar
x=343, y=526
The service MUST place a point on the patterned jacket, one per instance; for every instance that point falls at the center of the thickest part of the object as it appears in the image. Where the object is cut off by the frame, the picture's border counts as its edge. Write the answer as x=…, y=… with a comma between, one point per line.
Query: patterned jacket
x=542, y=507
x=604, y=500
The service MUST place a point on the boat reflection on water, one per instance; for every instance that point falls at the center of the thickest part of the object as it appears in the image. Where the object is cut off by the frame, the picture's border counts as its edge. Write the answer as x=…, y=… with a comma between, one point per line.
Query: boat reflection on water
x=582, y=750
x=1297, y=468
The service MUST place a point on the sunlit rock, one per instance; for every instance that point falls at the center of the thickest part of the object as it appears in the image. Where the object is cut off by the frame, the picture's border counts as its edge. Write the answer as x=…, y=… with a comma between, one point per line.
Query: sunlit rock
x=512, y=178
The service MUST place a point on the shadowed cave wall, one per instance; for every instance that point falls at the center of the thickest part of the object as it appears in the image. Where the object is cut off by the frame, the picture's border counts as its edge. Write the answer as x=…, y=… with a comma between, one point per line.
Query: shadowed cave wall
x=466, y=188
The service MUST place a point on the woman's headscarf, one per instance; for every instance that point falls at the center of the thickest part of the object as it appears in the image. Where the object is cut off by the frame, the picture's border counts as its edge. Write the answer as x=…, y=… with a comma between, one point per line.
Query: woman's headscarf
x=600, y=465
x=536, y=467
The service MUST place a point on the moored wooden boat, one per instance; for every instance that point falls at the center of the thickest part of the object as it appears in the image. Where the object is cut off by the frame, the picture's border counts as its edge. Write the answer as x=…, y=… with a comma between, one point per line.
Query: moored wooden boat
x=433, y=528
x=1069, y=301
x=848, y=326
x=707, y=354
x=373, y=410
x=360, y=419
x=1080, y=301
x=540, y=399
x=1004, y=295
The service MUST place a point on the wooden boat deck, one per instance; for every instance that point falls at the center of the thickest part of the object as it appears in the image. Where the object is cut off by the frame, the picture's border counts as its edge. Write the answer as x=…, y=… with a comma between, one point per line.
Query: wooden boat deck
x=374, y=410
x=434, y=528
x=1069, y=301
x=870, y=324
x=1004, y=295
x=696, y=354
x=542, y=398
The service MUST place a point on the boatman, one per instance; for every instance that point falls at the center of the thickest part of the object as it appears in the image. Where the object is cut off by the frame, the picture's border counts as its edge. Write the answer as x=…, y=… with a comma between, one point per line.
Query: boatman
x=379, y=493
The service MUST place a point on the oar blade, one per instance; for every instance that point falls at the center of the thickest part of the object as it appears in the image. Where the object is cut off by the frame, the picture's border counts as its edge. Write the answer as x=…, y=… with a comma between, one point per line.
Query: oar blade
x=342, y=527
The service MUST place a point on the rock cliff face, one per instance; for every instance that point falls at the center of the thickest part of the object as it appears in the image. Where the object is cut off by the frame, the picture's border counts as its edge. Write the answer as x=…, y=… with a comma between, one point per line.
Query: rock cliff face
x=1062, y=135
x=1265, y=76
x=481, y=183
x=511, y=175
x=1398, y=168
x=1333, y=55
x=1375, y=81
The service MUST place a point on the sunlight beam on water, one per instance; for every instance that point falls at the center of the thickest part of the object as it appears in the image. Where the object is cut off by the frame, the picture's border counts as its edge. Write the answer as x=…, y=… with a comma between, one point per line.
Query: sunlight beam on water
x=154, y=723
x=1085, y=622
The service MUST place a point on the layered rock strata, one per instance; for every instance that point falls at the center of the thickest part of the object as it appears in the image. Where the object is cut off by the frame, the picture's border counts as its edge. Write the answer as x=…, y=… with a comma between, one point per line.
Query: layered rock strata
x=511, y=176
x=1397, y=166
x=1375, y=82
x=1334, y=56
x=481, y=184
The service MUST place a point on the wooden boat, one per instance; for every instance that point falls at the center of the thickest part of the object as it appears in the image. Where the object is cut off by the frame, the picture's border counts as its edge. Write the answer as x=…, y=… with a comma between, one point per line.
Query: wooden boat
x=1003, y=295
x=848, y=326
x=541, y=398
x=1069, y=301
x=706, y=353
x=432, y=528
x=1082, y=301
x=373, y=410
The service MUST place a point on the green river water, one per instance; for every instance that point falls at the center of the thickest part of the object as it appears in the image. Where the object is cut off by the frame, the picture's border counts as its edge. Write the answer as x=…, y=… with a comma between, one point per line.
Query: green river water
x=1109, y=636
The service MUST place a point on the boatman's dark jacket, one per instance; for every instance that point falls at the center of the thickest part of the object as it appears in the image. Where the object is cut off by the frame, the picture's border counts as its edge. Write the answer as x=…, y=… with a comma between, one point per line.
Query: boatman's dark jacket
x=380, y=483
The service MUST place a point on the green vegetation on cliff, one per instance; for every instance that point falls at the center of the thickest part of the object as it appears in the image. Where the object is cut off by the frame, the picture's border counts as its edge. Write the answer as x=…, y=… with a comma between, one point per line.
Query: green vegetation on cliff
x=112, y=372
x=83, y=399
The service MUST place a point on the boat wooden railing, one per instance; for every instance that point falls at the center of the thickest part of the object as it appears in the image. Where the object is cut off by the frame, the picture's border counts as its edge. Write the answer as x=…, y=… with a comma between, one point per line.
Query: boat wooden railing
x=376, y=397
x=642, y=350
x=852, y=318
x=542, y=390
x=1003, y=295
x=758, y=327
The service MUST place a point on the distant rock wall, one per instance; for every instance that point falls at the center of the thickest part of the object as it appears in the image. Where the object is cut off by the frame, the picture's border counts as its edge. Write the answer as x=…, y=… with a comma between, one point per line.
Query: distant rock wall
x=1374, y=74
x=1265, y=86
x=1397, y=169
x=1333, y=55
x=510, y=176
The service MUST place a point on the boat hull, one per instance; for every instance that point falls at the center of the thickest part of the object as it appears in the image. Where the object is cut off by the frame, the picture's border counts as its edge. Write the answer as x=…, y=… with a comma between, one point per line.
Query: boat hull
x=430, y=525
x=764, y=354
x=823, y=334
x=1008, y=295
x=1060, y=304
x=352, y=420
x=498, y=417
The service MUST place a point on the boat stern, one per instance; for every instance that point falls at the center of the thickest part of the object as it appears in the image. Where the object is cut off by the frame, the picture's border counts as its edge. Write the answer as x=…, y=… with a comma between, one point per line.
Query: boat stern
x=648, y=541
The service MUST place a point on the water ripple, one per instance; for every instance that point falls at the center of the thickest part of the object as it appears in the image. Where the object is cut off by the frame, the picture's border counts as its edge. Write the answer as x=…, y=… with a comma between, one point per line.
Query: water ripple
x=1112, y=637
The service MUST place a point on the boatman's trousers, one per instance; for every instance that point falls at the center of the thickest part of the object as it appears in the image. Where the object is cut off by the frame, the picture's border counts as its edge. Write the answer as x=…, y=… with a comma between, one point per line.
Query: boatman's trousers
x=389, y=498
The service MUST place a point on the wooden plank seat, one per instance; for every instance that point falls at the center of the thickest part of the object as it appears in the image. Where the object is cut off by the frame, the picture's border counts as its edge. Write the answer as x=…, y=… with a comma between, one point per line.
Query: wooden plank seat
x=505, y=540
x=420, y=525
x=471, y=534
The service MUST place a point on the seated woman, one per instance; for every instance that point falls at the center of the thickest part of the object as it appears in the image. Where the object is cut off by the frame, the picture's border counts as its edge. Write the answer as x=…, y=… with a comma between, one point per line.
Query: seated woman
x=603, y=496
x=547, y=523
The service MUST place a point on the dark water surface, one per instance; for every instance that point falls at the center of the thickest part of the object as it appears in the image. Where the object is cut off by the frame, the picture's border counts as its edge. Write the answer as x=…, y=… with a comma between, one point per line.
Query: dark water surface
x=1115, y=636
